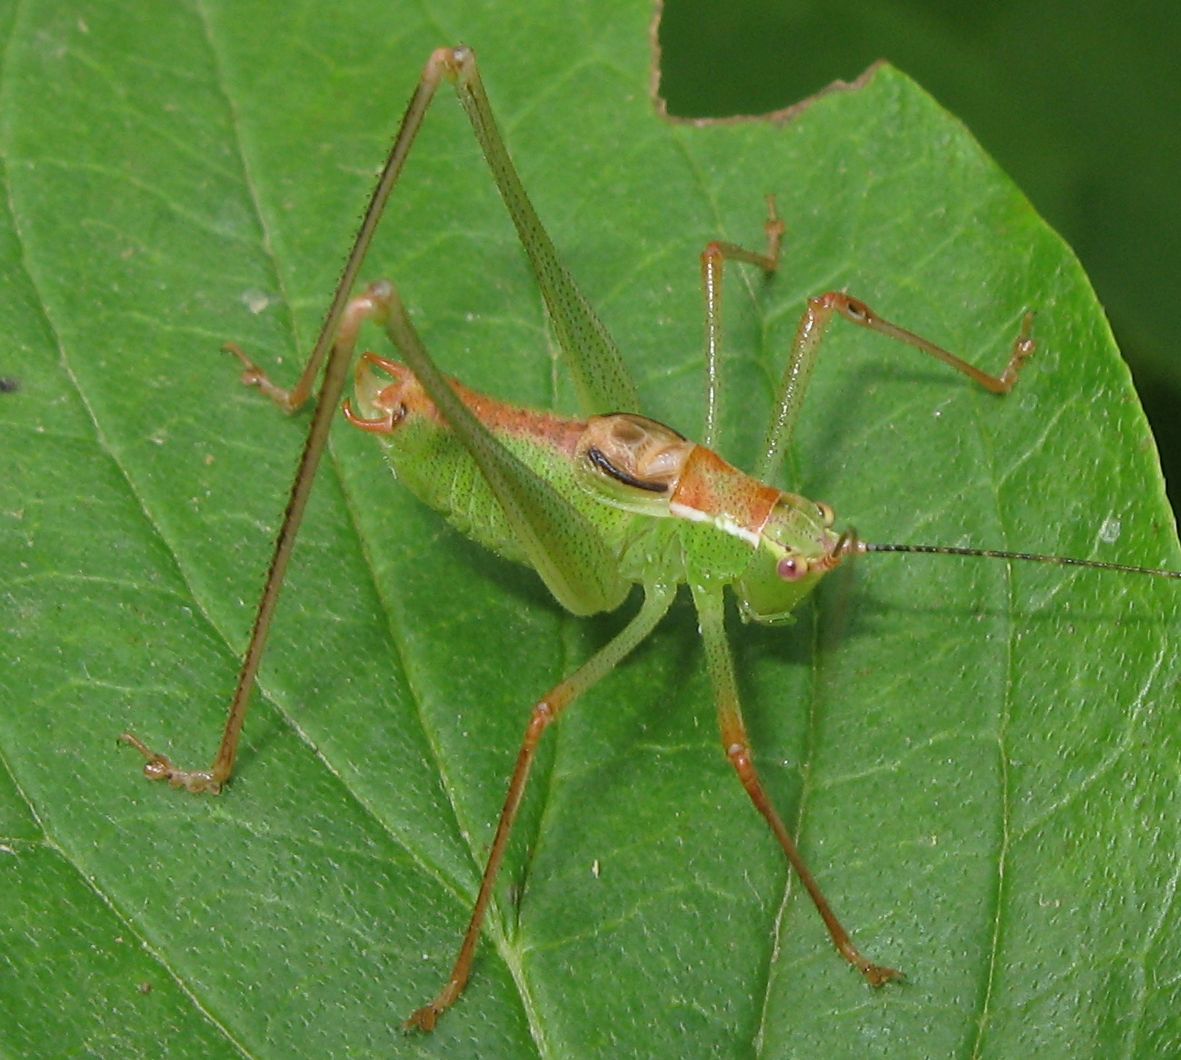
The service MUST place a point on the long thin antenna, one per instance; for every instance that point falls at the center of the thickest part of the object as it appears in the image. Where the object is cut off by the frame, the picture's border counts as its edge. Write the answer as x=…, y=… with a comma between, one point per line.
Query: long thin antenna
x=1033, y=557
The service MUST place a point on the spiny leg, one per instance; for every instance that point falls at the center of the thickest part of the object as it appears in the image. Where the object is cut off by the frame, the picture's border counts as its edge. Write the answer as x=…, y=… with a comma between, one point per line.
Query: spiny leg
x=335, y=336
x=600, y=375
x=160, y=767
x=710, y=609
x=602, y=378
x=713, y=262
x=812, y=327
x=561, y=544
x=441, y=64
x=657, y=599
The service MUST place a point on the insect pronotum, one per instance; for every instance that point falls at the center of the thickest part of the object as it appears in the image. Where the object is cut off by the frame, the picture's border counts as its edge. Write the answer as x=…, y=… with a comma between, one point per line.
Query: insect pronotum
x=594, y=505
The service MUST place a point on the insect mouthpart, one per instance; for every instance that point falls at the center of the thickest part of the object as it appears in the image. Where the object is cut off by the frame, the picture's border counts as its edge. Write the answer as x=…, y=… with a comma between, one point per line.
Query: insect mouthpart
x=848, y=544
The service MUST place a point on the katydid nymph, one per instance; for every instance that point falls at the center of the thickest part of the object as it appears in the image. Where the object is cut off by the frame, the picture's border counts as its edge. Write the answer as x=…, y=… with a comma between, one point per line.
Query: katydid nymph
x=596, y=505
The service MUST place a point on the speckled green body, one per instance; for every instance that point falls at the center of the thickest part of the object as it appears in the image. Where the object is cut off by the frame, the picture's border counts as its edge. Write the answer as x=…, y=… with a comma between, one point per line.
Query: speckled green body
x=691, y=518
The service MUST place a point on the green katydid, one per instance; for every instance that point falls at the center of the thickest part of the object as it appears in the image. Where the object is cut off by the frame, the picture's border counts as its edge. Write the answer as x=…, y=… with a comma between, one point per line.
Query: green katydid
x=595, y=505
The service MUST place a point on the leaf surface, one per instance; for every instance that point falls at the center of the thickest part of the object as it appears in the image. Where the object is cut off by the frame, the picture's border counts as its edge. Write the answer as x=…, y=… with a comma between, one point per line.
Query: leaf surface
x=981, y=763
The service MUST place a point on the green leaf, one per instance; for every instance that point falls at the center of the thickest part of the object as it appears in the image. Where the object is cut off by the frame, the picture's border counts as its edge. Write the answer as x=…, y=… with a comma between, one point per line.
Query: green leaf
x=981, y=763
x=1050, y=99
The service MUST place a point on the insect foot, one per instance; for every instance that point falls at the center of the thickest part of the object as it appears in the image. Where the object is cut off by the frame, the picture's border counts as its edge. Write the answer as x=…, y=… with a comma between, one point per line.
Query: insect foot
x=160, y=767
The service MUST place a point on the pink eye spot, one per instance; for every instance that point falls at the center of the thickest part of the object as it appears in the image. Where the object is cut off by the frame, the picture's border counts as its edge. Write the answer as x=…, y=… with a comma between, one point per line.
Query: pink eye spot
x=791, y=569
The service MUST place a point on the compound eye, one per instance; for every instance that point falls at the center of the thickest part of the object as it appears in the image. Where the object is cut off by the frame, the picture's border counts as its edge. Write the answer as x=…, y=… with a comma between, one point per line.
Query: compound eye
x=792, y=568
x=827, y=515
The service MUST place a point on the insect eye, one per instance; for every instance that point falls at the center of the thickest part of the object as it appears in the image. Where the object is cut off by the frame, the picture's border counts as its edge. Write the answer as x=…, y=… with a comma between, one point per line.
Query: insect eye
x=827, y=515
x=792, y=568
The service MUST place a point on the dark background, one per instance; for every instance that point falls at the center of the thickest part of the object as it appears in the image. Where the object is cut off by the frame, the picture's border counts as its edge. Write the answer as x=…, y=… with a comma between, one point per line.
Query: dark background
x=1078, y=102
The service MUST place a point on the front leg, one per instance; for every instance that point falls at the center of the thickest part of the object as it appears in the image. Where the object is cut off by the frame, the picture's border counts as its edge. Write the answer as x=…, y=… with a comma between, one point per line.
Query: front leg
x=818, y=315
x=711, y=611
